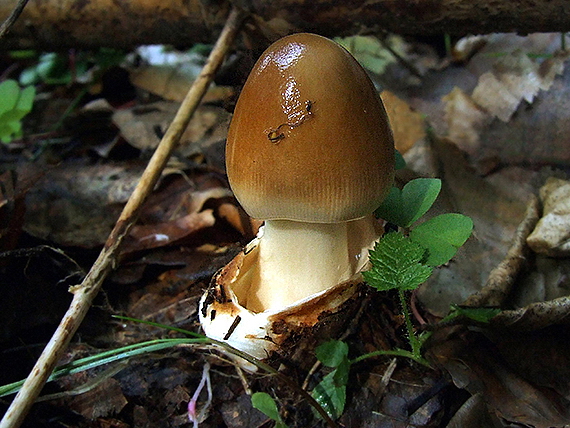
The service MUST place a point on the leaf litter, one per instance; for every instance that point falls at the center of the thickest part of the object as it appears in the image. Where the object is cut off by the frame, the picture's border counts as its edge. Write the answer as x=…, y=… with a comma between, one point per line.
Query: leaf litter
x=491, y=126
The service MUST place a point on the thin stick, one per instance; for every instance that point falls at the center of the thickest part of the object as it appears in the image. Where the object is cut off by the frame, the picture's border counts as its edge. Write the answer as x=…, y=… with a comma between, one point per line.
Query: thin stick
x=13, y=17
x=85, y=292
x=502, y=278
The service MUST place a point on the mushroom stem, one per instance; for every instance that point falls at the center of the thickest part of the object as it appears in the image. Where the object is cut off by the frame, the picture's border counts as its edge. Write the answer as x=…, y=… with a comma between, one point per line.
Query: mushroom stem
x=298, y=259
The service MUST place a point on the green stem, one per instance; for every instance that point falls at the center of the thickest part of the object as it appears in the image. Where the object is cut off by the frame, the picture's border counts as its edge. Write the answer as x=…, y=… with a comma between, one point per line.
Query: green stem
x=447, y=42
x=69, y=109
x=414, y=342
x=394, y=353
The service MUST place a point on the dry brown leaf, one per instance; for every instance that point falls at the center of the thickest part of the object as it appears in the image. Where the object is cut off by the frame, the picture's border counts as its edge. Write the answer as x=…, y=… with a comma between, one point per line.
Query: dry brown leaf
x=519, y=79
x=172, y=82
x=465, y=119
x=145, y=237
x=78, y=205
x=407, y=125
x=475, y=364
x=514, y=78
x=143, y=126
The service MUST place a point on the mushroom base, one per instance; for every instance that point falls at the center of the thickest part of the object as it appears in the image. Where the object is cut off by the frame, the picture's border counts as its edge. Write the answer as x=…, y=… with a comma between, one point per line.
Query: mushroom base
x=289, y=333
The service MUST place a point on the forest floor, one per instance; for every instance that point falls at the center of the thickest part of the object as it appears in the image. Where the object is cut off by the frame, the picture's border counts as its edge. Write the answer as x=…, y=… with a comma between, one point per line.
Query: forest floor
x=490, y=118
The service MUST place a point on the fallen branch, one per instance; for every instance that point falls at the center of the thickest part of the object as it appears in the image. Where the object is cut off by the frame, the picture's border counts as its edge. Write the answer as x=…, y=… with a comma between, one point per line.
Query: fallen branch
x=8, y=22
x=85, y=292
x=501, y=279
x=57, y=24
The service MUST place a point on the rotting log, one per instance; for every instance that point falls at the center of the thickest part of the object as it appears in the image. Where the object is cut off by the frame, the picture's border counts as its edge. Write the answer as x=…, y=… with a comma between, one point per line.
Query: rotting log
x=57, y=24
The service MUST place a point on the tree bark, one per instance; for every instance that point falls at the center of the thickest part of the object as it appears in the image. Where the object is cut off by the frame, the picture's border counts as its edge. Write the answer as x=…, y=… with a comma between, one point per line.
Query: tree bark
x=58, y=24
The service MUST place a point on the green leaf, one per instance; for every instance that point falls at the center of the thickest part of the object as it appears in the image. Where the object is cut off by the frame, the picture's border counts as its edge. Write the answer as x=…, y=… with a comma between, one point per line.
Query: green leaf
x=340, y=376
x=9, y=93
x=332, y=353
x=14, y=105
x=15, y=127
x=483, y=315
x=442, y=236
x=53, y=69
x=26, y=100
x=266, y=405
x=23, y=54
x=330, y=395
x=29, y=76
x=397, y=264
x=404, y=207
x=369, y=52
x=400, y=161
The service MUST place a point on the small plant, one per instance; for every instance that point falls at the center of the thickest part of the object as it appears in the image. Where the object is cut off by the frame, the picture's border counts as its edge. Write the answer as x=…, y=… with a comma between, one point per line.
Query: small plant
x=404, y=259
x=330, y=392
x=15, y=103
x=266, y=405
x=63, y=69
x=401, y=260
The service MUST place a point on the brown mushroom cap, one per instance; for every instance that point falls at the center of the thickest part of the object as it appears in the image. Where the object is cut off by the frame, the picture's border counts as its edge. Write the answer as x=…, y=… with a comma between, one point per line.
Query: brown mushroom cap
x=310, y=140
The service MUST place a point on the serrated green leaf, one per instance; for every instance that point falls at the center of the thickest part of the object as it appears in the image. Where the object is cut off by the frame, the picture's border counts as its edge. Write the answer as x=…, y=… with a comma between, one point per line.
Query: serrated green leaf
x=396, y=264
x=404, y=207
x=330, y=395
x=442, y=236
x=266, y=405
x=9, y=93
x=332, y=353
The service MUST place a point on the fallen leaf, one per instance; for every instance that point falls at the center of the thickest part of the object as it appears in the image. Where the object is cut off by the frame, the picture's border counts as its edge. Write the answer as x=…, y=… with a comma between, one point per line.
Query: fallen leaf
x=408, y=126
x=78, y=205
x=475, y=364
x=143, y=126
x=465, y=120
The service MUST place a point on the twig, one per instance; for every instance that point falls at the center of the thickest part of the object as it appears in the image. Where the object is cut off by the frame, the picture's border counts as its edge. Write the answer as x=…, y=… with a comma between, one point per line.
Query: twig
x=502, y=278
x=85, y=292
x=13, y=17
x=536, y=315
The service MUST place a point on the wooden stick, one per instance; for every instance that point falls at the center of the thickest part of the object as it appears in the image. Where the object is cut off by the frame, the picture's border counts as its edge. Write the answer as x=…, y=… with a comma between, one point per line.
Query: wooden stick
x=85, y=292
x=502, y=278
x=9, y=21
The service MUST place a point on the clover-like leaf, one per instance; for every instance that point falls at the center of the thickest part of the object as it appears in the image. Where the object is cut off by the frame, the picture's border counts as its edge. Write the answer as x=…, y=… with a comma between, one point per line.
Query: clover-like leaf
x=404, y=207
x=442, y=236
x=9, y=93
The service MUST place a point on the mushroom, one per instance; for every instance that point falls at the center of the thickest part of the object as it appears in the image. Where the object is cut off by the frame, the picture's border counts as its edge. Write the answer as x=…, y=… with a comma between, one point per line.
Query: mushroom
x=310, y=152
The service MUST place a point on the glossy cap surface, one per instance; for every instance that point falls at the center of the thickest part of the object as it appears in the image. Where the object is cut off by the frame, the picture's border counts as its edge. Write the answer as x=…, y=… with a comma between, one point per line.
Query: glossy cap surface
x=310, y=140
